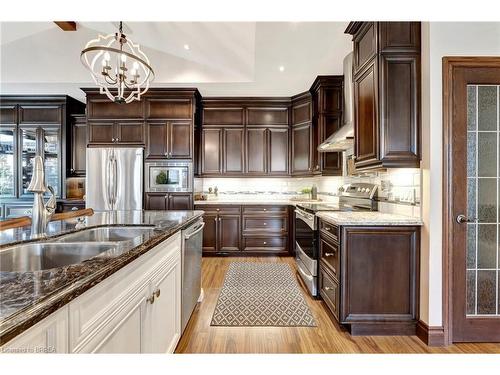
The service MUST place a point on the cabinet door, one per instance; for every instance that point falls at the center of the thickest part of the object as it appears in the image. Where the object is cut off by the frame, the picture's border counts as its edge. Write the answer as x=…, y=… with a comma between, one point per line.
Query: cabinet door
x=278, y=151
x=211, y=140
x=180, y=140
x=180, y=201
x=366, y=116
x=210, y=233
x=8, y=152
x=156, y=201
x=229, y=232
x=331, y=162
x=78, y=147
x=164, y=320
x=100, y=132
x=233, y=150
x=129, y=132
x=47, y=336
x=256, y=160
x=156, y=136
x=301, y=149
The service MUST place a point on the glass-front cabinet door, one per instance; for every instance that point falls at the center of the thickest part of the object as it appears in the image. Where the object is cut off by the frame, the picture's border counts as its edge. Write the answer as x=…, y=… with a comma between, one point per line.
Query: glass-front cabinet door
x=7, y=161
x=50, y=144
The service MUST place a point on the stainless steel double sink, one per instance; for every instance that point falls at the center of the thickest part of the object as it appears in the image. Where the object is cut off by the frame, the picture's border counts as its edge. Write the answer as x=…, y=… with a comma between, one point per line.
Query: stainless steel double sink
x=69, y=249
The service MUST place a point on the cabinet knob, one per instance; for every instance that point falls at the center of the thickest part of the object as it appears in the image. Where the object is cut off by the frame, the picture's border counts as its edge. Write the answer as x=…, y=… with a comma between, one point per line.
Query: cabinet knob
x=74, y=208
x=327, y=229
x=151, y=299
x=265, y=209
x=218, y=209
x=265, y=243
x=157, y=293
x=265, y=224
x=166, y=154
x=327, y=288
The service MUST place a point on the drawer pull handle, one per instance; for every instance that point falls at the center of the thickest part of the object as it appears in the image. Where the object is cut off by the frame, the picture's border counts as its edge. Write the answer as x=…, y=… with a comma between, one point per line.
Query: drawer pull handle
x=157, y=293
x=151, y=299
x=328, y=229
x=328, y=288
x=329, y=254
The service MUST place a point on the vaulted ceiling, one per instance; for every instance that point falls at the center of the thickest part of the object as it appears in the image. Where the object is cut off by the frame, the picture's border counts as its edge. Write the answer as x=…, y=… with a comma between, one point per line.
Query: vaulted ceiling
x=231, y=59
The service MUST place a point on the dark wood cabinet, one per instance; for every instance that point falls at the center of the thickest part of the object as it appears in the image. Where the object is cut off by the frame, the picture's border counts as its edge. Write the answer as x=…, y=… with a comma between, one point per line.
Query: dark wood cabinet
x=169, y=140
x=386, y=94
x=327, y=94
x=20, y=118
x=369, y=277
x=169, y=201
x=233, y=150
x=222, y=232
x=245, y=230
x=278, y=141
x=211, y=152
x=256, y=151
x=116, y=133
x=302, y=149
x=77, y=147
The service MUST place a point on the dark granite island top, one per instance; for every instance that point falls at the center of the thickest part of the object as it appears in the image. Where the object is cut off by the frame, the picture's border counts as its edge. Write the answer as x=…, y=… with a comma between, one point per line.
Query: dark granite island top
x=28, y=297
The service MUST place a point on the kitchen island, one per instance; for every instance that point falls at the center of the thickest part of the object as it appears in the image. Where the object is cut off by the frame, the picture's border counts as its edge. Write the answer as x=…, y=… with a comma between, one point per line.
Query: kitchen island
x=129, y=268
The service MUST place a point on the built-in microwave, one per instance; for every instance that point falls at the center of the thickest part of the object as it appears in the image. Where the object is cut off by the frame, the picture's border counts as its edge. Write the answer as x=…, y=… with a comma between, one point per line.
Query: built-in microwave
x=168, y=176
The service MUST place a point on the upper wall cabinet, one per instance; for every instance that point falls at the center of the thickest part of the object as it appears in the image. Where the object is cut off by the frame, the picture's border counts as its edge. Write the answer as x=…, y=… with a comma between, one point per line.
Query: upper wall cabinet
x=327, y=99
x=386, y=94
x=302, y=141
x=245, y=137
x=20, y=118
x=163, y=120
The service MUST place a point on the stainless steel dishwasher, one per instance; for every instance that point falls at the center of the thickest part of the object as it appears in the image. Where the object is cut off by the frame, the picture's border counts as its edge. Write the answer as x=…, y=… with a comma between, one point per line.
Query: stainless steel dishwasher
x=192, y=238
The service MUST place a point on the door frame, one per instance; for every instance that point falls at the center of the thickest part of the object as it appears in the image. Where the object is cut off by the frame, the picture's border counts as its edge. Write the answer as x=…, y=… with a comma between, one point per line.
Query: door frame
x=449, y=66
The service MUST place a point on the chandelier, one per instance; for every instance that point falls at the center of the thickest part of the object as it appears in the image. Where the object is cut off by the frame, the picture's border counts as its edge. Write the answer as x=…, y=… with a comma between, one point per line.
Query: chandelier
x=118, y=66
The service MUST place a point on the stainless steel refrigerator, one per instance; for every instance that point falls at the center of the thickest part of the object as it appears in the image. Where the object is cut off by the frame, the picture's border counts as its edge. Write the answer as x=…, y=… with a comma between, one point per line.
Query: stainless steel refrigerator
x=114, y=178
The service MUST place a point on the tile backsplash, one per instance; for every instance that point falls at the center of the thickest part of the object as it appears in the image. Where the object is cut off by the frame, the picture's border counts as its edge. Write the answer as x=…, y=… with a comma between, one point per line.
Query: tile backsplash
x=399, y=189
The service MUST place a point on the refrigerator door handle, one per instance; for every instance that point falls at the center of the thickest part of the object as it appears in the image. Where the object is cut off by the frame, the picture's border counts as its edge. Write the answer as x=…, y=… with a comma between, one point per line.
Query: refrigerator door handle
x=109, y=180
x=115, y=181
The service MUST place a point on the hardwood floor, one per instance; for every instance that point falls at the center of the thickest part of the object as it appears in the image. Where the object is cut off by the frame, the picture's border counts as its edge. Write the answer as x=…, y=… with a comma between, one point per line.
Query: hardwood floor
x=327, y=337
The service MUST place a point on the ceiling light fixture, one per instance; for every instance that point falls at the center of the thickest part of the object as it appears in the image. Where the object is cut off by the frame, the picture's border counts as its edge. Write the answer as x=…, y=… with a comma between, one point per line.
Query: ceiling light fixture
x=186, y=47
x=124, y=72
x=282, y=68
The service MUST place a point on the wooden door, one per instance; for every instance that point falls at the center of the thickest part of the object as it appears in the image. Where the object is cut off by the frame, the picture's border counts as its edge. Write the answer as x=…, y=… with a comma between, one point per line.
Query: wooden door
x=211, y=142
x=301, y=149
x=256, y=155
x=331, y=162
x=180, y=140
x=156, y=140
x=229, y=235
x=129, y=132
x=156, y=201
x=210, y=232
x=278, y=151
x=366, y=130
x=78, y=147
x=180, y=201
x=101, y=132
x=234, y=147
x=472, y=182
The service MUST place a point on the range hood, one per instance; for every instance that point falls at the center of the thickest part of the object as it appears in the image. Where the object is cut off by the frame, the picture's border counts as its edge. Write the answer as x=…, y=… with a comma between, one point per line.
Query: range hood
x=343, y=139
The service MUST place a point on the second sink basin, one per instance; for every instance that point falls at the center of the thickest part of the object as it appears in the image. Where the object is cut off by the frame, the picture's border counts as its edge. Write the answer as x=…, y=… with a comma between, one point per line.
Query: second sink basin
x=107, y=234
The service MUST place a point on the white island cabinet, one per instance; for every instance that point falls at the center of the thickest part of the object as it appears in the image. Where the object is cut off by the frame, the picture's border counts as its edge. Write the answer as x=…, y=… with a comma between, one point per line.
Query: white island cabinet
x=135, y=310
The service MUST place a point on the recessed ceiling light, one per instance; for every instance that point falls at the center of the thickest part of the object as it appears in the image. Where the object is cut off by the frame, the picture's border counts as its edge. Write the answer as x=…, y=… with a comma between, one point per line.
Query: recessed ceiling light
x=282, y=68
x=186, y=47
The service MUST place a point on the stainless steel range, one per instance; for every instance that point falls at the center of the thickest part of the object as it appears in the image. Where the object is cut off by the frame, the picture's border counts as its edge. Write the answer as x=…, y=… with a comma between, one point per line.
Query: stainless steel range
x=352, y=197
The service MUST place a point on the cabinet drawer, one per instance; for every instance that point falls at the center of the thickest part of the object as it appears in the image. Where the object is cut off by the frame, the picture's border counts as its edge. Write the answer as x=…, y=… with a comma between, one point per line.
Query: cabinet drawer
x=329, y=290
x=264, y=210
x=12, y=211
x=277, y=244
x=330, y=255
x=329, y=230
x=219, y=209
x=267, y=224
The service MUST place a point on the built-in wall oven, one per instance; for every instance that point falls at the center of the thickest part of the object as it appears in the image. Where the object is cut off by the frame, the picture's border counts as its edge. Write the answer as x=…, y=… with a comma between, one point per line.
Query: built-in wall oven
x=306, y=250
x=169, y=176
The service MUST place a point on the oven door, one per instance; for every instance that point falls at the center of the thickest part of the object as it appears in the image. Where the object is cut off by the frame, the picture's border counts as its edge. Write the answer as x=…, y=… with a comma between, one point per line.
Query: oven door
x=305, y=241
x=168, y=177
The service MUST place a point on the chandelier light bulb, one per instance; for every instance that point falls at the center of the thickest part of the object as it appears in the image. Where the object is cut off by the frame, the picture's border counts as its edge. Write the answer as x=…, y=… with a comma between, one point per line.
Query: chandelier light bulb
x=123, y=57
x=107, y=57
x=135, y=65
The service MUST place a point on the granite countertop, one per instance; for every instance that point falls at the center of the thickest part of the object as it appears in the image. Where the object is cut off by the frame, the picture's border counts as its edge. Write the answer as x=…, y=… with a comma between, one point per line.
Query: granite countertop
x=368, y=218
x=257, y=201
x=28, y=297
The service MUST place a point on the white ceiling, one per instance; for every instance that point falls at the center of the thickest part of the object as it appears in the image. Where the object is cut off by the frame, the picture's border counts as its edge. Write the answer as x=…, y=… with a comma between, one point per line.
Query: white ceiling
x=230, y=59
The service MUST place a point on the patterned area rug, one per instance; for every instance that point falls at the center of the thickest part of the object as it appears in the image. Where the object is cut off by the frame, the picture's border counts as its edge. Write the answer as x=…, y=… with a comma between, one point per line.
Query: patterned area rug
x=261, y=294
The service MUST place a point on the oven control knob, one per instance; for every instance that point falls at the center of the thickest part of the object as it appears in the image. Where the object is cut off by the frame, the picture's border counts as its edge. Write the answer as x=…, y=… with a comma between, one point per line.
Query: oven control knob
x=359, y=189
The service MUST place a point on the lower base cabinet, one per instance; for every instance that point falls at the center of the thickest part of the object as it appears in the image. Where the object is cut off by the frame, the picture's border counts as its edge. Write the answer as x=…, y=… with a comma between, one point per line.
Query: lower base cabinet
x=168, y=201
x=135, y=310
x=368, y=277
